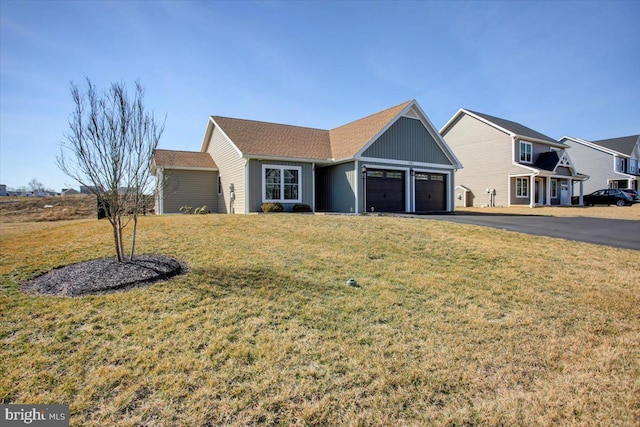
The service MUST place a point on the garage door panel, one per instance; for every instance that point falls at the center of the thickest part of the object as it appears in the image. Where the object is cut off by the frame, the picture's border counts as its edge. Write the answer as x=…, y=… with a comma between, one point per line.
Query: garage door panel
x=431, y=192
x=385, y=191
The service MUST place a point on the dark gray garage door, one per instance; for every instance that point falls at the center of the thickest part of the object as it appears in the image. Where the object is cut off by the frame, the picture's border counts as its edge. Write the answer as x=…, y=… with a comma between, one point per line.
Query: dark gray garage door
x=385, y=191
x=431, y=192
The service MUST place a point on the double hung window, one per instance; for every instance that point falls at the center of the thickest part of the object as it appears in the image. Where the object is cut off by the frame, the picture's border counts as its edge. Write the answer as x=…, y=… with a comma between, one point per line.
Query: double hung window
x=522, y=187
x=525, y=152
x=281, y=184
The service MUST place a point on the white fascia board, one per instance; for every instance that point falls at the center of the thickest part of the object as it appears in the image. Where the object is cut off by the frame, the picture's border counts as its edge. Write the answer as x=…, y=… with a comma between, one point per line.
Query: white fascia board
x=539, y=141
x=187, y=168
x=288, y=159
x=384, y=128
x=211, y=126
x=407, y=163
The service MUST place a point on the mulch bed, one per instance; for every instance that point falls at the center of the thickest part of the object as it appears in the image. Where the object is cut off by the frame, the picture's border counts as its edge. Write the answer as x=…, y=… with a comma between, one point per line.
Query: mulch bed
x=105, y=275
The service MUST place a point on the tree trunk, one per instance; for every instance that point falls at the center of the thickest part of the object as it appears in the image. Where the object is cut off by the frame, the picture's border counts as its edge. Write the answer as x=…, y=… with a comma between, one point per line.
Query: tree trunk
x=133, y=236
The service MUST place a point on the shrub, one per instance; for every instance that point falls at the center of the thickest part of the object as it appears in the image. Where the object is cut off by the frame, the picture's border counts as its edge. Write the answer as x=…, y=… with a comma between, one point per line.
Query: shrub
x=302, y=207
x=202, y=210
x=186, y=209
x=272, y=207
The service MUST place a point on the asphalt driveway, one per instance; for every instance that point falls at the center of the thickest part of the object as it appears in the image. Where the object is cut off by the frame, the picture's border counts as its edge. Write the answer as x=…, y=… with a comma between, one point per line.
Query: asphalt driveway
x=610, y=232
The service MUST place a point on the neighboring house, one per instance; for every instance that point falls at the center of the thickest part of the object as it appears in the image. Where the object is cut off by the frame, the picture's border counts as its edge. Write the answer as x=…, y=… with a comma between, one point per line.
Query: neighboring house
x=506, y=163
x=69, y=192
x=3, y=190
x=610, y=163
x=391, y=161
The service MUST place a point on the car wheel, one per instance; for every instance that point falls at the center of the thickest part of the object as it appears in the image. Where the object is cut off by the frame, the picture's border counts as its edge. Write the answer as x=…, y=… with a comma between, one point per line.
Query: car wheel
x=620, y=203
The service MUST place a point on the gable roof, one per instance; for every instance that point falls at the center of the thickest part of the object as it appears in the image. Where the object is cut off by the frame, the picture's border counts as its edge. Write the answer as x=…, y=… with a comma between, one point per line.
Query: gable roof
x=256, y=138
x=512, y=128
x=174, y=159
x=347, y=140
x=273, y=139
x=624, y=145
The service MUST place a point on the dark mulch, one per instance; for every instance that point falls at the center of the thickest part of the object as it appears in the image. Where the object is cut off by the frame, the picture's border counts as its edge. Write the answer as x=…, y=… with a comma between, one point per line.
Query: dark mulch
x=105, y=275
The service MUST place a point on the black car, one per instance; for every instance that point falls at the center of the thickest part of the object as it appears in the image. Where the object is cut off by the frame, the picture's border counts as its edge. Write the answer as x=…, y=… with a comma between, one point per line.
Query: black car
x=633, y=193
x=607, y=196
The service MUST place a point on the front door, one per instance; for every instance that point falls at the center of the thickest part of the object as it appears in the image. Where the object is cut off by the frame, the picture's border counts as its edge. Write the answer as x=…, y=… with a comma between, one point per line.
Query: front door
x=565, y=198
x=539, y=192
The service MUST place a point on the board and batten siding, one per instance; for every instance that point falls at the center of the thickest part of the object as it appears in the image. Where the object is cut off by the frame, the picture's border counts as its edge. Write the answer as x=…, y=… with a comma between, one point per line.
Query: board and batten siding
x=486, y=154
x=407, y=139
x=193, y=188
x=231, y=167
x=336, y=188
x=255, y=183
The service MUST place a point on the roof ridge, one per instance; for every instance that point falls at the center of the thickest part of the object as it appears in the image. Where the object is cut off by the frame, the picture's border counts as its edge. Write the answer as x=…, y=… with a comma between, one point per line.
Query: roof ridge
x=269, y=123
x=375, y=114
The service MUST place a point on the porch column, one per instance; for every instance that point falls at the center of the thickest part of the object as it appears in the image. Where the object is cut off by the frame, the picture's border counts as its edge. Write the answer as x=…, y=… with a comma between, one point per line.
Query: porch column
x=580, y=200
x=547, y=195
x=532, y=191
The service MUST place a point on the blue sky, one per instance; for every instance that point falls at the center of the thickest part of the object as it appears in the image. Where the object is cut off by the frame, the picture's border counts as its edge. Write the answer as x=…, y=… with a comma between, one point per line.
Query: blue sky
x=561, y=68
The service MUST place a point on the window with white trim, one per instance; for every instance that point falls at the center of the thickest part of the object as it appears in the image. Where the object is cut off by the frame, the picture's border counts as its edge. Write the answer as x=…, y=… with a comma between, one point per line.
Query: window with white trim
x=554, y=188
x=525, y=152
x=522, y=187
x=281, y=184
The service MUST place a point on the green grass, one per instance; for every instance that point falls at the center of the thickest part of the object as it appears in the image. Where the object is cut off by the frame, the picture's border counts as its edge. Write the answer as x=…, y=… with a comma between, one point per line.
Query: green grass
x=452, y=325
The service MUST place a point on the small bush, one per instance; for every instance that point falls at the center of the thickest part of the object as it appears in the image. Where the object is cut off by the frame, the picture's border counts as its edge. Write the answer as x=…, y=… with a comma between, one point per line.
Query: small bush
x=301, y=207
x=186, y=209
x=272, y=207
x=202, y=210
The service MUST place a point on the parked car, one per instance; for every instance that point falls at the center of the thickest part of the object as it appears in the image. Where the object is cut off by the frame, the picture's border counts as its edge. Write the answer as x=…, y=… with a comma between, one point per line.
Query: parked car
x=633, y=193
x=607, y=196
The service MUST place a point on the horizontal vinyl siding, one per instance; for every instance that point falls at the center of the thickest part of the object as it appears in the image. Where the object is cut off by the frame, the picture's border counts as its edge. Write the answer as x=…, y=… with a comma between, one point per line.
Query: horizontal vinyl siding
x=255, y=179
x=407, y=139
x=595, y=163
x=189, y=188
x=232, y=170
x=336, y=188
x=486, y=154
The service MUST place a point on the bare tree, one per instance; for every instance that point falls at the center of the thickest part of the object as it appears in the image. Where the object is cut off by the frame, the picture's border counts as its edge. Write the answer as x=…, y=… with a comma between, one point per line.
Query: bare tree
x=35, y=186
x=109, y=149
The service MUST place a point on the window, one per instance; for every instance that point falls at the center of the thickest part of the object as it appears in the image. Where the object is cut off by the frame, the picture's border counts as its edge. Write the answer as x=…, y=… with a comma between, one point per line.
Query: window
x=620, y=164
x=633, y=166
x=281, y=184
x=554, y=189
x=522, y=187
x=525, y=152
x=219, y=185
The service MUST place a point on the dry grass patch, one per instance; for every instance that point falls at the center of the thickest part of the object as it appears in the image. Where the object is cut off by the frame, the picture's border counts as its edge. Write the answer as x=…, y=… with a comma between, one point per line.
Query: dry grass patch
x=453, y=325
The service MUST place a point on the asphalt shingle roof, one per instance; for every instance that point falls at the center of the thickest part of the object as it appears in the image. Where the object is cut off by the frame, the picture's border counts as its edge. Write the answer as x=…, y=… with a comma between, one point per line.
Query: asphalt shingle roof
x=185, y=159
x=514, y=127
x=622, y=145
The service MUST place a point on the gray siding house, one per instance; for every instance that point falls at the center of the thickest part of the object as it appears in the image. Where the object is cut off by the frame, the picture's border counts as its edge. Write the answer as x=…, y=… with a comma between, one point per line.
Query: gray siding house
x=507, y=164
x=610, y=163
x=390, y=161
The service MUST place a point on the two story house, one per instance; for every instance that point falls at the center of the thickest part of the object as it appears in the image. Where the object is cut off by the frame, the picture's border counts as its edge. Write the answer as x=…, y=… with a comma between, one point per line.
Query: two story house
x=507, y=163
x=611, y=163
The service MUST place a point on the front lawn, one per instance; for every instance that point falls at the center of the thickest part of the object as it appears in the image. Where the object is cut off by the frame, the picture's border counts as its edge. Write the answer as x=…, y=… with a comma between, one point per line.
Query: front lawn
x=451, y=325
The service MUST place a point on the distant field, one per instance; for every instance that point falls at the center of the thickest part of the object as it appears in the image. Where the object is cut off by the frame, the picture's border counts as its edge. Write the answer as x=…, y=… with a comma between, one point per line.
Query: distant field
x=41, y=209
x=452, y=325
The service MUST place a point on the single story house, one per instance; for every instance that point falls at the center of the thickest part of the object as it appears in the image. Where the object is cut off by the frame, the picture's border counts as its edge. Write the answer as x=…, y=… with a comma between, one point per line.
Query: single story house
x=610, y=163
x=391, y=161
x=507, y=163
